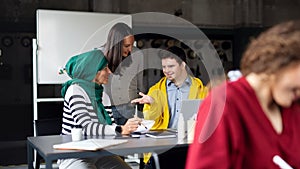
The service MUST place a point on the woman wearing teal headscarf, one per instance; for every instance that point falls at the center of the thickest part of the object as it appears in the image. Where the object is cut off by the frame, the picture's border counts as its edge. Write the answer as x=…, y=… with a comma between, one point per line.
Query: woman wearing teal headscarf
x=83, y=107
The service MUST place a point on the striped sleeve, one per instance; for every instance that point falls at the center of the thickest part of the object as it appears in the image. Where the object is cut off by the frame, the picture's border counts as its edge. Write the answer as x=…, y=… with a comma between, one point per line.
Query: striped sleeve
x=107, y=105
x=79, y=111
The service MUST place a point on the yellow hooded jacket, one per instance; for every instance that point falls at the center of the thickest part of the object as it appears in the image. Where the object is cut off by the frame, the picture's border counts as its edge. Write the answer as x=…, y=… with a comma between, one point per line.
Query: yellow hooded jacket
x=159, y=109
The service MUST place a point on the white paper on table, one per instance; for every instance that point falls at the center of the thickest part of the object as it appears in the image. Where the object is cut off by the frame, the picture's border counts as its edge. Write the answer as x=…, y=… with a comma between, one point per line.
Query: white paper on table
x=147, y=123
x=89, y=144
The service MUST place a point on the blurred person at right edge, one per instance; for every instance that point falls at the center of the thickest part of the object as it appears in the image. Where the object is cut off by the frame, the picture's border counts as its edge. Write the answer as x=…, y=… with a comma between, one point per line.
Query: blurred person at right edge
x=258, y=116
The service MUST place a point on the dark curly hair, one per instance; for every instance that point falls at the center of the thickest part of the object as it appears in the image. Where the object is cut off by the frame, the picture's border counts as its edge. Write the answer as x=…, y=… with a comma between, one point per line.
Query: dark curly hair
x=273, y=50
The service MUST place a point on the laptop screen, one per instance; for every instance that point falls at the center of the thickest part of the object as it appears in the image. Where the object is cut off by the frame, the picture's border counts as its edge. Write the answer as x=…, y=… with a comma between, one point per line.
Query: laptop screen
x=189, y=108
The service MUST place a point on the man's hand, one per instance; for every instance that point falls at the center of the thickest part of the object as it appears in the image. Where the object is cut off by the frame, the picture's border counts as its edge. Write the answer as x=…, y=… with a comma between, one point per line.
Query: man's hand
x=145, y=99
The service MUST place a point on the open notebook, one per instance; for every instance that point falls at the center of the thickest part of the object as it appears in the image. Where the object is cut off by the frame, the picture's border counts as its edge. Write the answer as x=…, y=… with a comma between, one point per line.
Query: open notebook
x=89, y=144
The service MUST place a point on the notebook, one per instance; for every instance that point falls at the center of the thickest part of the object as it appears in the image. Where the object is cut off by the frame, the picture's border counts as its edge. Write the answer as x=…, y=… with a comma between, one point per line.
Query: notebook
x=161, y=134
x=89, y=144
x=189, y=108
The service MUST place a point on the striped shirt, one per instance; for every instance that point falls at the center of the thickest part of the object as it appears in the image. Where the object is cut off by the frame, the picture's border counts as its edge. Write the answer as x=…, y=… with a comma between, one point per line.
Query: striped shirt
x=78, y=111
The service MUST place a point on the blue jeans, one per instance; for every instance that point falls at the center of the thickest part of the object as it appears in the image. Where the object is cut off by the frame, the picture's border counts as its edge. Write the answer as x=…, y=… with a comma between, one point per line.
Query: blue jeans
x=91, y=163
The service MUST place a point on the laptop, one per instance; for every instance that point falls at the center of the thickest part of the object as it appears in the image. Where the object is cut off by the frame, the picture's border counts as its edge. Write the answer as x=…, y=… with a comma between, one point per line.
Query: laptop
x=189, y=108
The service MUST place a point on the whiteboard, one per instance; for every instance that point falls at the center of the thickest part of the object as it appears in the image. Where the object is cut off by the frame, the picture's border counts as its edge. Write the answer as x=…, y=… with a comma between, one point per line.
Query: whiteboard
x=63, y=34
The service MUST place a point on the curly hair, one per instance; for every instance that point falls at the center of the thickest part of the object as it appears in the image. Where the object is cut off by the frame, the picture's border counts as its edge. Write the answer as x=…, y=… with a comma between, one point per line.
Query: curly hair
x=273, y=50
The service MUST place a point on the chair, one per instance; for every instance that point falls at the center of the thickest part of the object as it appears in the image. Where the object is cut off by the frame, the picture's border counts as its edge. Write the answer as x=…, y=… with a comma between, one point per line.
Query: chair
x=46, y=127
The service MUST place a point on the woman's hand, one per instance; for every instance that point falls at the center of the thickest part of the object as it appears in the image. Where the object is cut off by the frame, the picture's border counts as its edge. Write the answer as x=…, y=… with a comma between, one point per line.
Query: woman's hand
x=145, y=99
x=131, y=125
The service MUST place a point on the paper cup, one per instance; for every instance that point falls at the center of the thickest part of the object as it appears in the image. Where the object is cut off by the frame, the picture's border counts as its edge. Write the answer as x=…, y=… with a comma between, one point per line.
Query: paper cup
x=76, y=134
x=190, y=130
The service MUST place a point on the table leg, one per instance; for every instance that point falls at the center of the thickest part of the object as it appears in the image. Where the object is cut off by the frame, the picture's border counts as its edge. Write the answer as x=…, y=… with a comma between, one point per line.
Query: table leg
x=29, y=156
x=49, y=164
x=156, y=160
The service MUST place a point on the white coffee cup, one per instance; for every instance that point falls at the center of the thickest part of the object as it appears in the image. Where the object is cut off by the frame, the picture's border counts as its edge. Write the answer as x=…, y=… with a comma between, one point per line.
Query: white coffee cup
x=76, y=134
x=190, y=130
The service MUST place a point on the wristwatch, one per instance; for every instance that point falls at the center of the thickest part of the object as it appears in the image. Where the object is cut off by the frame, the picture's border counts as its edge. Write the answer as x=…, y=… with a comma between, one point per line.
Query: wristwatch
x=118, y=130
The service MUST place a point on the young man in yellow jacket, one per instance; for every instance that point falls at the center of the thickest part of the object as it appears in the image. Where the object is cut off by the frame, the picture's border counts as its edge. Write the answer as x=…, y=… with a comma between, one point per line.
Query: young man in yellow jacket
x=163, y=101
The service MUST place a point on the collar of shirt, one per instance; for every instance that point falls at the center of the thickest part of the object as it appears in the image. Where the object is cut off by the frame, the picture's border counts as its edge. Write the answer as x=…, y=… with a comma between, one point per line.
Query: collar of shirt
x=187, y=82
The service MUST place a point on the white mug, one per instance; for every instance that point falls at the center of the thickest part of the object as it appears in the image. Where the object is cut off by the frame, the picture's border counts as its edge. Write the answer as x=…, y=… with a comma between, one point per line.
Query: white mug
x=190, y=130
x=76, y=134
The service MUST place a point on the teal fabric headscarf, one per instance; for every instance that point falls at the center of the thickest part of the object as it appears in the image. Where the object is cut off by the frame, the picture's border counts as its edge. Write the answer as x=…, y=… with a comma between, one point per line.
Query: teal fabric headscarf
x=82, y=69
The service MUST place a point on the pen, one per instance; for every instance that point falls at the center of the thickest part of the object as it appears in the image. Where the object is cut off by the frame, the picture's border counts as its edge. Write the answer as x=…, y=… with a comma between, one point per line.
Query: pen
x=136, y=111
x=136, y=115
x=281, y=163
x=144, y=125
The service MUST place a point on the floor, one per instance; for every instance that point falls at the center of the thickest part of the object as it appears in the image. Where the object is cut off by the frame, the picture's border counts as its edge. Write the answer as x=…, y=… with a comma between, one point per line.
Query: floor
x=133, y=161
